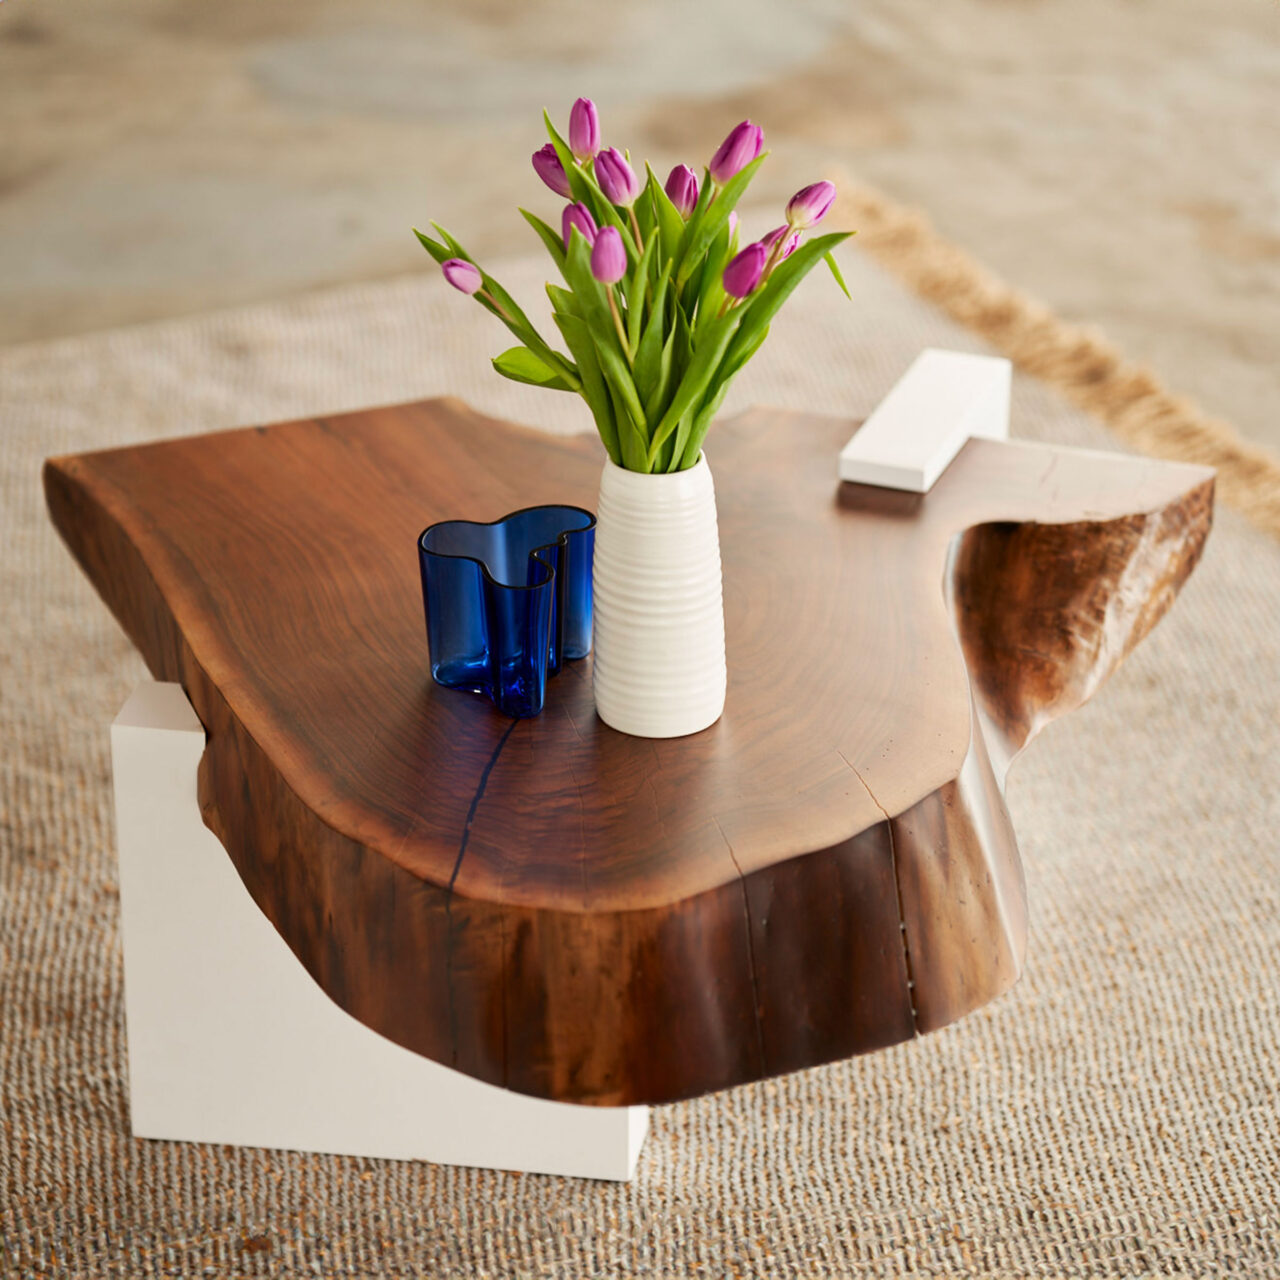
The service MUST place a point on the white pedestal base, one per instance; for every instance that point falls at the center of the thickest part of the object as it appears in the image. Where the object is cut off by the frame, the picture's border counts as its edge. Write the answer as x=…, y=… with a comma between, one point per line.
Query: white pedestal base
x=918, y=428
x=230, y=1039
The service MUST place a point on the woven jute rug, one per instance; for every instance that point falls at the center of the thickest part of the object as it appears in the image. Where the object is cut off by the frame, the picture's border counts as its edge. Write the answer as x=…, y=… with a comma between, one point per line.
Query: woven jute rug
x=1115, y=1115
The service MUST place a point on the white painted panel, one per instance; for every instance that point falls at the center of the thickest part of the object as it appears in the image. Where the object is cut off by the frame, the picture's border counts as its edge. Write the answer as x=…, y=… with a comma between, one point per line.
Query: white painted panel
x=230, y=1039
x=918, y=428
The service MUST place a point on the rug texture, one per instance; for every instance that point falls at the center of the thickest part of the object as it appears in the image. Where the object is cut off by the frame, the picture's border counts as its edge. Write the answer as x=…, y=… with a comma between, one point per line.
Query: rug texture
x=1115, y=1115
x=1077, y=361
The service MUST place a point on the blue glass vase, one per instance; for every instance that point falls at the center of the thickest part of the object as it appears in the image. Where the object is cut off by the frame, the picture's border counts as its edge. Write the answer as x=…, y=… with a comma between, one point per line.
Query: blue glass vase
x=508, y=602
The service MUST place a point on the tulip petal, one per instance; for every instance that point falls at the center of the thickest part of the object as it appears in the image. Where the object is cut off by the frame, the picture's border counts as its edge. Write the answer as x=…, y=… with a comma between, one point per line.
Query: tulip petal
x=584, y=129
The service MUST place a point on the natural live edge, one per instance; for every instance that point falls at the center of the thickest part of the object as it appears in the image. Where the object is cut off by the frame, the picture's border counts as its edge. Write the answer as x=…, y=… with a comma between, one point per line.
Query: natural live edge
x=619, y=931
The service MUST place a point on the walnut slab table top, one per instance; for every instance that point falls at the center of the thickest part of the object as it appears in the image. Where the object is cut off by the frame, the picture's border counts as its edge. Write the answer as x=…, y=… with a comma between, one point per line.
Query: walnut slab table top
x=560, y=909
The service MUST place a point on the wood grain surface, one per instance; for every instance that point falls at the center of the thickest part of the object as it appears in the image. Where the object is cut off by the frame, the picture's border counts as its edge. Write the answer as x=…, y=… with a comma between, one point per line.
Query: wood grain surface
x=557, y=908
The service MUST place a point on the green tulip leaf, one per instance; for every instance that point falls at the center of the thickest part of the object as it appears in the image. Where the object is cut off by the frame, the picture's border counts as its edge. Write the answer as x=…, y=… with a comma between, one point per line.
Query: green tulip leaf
x=631, y=439
x=734, y=364
x=670, y=223
x=649, y=350
x=548, y=235
x=562, y=300
x=655, y=403
x=438, y=251
x=645, y=216
x=701, y=425
x=839, y=278
x=630, y=410
x=759, y=310
x=683, y=353
x=708, y=351
x=577, y=337
x=521, y=365
x=711, y=294
x=455, y=246
x=636, y=289
x=705, y=193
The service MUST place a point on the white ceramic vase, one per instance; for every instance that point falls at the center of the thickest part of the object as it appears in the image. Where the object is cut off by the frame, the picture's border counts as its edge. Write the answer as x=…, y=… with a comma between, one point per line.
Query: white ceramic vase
x=659, y=667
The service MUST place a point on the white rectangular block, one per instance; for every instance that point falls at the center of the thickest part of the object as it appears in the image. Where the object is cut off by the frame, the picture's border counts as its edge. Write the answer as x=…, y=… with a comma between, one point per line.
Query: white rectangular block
x=230, y=1039
x=918, y=428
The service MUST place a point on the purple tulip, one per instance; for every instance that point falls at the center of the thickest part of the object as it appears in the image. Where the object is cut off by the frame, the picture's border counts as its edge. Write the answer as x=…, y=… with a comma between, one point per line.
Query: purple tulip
x=617, y=178
x=810, y=204
x=682, y=189
x=584, y=129
x=743, y=274
x=739, y=149
x=546, y=164
x=464, y=276
x=578, y=215
x=608, y=257
x=793, y=239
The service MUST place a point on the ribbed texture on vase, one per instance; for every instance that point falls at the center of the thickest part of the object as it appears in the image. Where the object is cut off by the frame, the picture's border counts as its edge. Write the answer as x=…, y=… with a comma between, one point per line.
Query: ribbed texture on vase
x=659, y=666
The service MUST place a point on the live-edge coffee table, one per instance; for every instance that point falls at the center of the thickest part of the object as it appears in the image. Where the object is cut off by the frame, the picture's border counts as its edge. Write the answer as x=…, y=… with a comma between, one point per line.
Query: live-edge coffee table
x=552, y=907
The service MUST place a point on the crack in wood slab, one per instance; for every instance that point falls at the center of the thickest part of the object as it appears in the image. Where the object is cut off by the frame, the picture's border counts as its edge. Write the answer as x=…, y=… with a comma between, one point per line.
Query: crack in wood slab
x=751, y=950
x=453, y=878
x=897, y=885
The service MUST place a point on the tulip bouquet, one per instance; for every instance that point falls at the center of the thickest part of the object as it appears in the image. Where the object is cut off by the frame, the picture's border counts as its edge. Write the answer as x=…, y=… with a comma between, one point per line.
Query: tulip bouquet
x=663, y=307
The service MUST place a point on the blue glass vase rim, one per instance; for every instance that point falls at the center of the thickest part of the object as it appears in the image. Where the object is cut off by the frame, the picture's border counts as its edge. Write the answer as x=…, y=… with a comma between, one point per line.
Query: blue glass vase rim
x=534, y=552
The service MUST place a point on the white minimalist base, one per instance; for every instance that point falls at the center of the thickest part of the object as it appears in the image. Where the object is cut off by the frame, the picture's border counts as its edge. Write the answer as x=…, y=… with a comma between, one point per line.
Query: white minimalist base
x=230, y=1039
x=918, y=428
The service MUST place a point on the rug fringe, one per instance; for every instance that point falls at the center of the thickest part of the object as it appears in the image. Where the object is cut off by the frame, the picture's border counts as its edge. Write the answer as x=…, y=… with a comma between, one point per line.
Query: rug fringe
x=1078, y=362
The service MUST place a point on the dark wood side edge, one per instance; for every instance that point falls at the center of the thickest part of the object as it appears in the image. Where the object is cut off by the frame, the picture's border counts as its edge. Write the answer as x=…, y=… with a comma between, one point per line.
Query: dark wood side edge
x=756, y=977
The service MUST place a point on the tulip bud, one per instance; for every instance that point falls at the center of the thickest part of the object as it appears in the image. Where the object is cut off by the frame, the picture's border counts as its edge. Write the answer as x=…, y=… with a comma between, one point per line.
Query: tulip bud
x=609, y=256
x=682, y=189
x=584, y=129
x=739, y=149
x=810, y=204
x=793, y=239
x=617, y=178
x=732, y=224
x=743, y=274
x=578, y=215
x=546, y=164
x=464, y=276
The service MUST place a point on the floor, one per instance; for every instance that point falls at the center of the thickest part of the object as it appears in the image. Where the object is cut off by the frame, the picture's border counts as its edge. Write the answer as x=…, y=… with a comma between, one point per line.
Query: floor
x=1119, y=158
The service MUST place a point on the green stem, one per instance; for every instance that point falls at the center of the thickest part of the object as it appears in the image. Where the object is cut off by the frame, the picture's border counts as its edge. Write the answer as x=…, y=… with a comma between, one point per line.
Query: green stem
x=617, y=322
x=496, y=305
